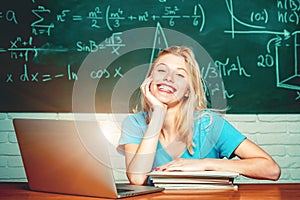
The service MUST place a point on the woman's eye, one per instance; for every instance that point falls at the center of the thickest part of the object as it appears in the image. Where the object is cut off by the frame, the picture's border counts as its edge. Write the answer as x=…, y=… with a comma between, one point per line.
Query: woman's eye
x=161, y=70
x=181, y=75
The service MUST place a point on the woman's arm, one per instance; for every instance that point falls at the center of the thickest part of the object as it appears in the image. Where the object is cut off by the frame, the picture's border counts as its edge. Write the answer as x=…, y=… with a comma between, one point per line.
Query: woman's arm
x=140, y=157
x=253, y=163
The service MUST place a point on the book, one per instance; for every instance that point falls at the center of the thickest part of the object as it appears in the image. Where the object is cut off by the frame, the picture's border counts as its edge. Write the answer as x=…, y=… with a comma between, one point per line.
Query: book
x=194, y=174
x=181, y=180
x=197, y=186
x=192, y=181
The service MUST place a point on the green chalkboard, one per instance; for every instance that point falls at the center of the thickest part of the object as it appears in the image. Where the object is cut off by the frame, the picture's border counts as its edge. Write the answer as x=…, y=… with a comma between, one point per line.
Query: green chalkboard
x=91, y=56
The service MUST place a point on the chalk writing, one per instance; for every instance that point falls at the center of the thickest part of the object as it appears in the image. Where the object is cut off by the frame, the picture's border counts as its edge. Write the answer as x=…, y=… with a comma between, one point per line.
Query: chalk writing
x=38, y=27
x=227, y=69
x=292, y=80
x=62, y=17
x=28, y=76
x=266, y=60
x=114, y=42
x=23, y=51
x=104, y=73
x=47, y=41
x=113, y=17
x=288, y=11
x=95, y=17
x=290, y=14
x=9, y=16
x=298, y=97
x=36, y=76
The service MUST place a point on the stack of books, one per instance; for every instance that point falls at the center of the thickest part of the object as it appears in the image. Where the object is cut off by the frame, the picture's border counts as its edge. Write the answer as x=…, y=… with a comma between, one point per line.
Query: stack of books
x=180, y=180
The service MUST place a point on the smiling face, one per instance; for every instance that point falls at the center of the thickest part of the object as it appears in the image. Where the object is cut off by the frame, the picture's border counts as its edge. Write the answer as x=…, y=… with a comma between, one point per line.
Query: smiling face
x=170, y=79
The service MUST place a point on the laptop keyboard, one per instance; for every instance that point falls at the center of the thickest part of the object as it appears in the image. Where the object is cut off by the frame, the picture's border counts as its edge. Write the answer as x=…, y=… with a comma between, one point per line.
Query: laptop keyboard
x=123, y=190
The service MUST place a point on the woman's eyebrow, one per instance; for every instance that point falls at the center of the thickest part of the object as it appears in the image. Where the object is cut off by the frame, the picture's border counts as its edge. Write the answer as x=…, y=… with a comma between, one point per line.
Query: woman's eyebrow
x=166, y=65
x=158, y=64
x=181, y=68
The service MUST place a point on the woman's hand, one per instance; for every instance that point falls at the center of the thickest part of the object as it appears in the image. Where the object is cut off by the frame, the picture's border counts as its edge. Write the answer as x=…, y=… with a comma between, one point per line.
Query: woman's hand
x=182, y=164
x=151, y=100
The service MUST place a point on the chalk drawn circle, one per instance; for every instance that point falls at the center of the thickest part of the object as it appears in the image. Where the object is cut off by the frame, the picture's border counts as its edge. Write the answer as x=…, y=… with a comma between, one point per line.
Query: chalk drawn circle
x=84, y=89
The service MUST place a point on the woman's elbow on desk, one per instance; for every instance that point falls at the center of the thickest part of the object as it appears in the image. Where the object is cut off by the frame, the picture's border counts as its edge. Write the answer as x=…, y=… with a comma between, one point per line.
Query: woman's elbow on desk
x=137, y=179
x=256, y=163
x=269, y=170
x=275, y=172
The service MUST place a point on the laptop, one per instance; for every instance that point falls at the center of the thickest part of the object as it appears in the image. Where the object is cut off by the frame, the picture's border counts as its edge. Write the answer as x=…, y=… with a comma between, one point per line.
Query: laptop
x=70, y=157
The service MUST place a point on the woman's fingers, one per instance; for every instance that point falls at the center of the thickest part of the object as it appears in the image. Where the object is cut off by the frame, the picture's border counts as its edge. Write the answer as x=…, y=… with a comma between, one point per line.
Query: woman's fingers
x=145, y=87
x=148, y=96
x=182, y=164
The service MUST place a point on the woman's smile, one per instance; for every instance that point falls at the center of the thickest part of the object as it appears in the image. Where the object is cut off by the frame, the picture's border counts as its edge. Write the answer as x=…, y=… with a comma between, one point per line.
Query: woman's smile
x=166, y=88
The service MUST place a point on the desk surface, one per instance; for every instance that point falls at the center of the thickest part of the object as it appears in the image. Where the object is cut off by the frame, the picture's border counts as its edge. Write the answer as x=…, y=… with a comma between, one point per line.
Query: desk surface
x=19, y=191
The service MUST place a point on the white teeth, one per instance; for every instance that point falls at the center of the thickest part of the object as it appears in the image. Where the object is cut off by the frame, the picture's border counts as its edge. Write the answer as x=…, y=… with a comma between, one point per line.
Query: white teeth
x=166, y=88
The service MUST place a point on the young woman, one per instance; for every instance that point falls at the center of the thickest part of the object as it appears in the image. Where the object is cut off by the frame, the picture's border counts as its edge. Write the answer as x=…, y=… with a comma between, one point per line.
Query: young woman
x=176, y=131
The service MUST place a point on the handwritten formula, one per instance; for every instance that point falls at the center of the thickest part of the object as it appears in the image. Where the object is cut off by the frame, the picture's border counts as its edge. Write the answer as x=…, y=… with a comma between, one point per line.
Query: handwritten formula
x=251, y=43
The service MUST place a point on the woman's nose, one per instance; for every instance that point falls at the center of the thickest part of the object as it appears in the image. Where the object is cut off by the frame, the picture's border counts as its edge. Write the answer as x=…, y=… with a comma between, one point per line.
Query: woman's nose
x=169, y=77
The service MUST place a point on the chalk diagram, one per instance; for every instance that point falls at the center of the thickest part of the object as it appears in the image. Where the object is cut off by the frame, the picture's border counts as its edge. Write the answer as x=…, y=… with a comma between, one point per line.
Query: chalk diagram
x=287, y=77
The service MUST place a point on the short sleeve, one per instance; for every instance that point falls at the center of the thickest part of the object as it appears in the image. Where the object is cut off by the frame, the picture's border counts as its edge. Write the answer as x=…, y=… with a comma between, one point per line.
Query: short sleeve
x=132, y=130
x=216, y=137
x=229, y=137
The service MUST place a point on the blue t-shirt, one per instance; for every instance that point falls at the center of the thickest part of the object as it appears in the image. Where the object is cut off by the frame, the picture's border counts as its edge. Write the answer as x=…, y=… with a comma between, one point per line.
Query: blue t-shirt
x=213, y=136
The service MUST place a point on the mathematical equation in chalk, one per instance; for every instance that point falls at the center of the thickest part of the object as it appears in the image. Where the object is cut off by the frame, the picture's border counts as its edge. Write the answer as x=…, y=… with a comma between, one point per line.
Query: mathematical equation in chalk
x=26, y=49
x=109, y=17
x=28, y=75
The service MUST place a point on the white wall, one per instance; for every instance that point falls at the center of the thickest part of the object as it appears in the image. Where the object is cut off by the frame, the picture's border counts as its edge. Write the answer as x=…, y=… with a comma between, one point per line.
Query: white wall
x=279, y=135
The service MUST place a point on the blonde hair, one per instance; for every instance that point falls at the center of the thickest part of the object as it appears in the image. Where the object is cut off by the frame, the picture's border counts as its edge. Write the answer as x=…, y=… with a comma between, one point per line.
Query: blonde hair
x=196, y=100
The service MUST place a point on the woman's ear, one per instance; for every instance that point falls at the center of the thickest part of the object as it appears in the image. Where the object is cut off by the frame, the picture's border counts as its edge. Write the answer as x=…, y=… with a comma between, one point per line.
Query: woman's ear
x=187, y=93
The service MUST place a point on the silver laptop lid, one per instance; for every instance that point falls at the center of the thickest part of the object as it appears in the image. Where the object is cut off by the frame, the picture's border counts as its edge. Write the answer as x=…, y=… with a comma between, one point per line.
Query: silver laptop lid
x=65, y=157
